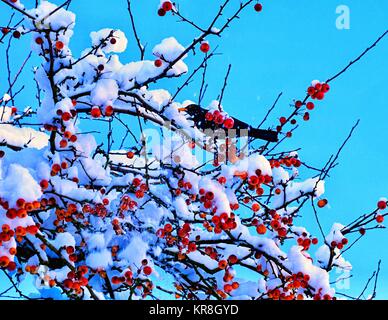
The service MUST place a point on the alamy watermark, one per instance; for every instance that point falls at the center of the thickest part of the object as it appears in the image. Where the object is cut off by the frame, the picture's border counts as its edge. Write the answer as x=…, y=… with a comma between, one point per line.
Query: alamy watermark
x=343, y=20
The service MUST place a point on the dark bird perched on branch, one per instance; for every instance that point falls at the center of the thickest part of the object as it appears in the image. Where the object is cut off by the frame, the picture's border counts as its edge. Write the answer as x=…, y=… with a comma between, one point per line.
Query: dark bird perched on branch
x=198, y=116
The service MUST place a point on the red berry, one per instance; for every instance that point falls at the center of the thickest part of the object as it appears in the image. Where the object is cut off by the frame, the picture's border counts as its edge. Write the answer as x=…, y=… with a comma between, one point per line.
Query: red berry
x=158, y=63
x=20, y=202
x=39, y=41
x=16, y=34
x=310, y=105
x=298, y=104
x=320, y=95
x=322, y=203
x=66, y=116
x=192, y=247
x=59, y=45
x=325, y=87
x=68, y=283
x=311, y=91
x=161, y=12
x=95, y=112
x=222, y=264
x=382, y=205
x=205, y=47
x=108, y=111
x=258, y=7
x=44, y=184
x=380, y=218
x=11, y=266
x=232, y=259
x=209, y=116
x=147, y=270
x=167, y=6
x=63, y=143
x=261, y=229
x=228, y=123
x=255, y=207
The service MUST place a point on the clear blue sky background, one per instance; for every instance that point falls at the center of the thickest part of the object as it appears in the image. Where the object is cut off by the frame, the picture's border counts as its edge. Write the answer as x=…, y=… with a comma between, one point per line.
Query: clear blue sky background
x=282, y=49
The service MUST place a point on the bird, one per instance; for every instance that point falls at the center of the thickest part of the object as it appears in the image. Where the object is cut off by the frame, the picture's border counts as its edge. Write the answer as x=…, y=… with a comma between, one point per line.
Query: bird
x=198, y=115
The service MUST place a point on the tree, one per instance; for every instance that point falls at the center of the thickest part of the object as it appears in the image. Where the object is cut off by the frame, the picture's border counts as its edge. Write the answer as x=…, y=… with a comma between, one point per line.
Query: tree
x=197, y=197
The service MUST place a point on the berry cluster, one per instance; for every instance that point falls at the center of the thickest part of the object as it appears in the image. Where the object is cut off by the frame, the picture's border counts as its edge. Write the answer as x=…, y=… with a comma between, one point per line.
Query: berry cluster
x=255, y=183
x=318, y=90
x=127, y=203
x=224, y=222
x=127, y=278
x=139, y=187
x=76, y=279
x=70, y=251
x=287, y=162
x=184, y=186
x=219, y=118
x=98, y=209
x=65, y=115
x=230, y=285
x=305, y=241
x=340, y=245
x=292, y=285
x=164, y=8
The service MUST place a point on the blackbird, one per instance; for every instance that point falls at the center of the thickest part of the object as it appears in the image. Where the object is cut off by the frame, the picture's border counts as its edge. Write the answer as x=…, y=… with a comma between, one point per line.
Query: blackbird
x=197, y=115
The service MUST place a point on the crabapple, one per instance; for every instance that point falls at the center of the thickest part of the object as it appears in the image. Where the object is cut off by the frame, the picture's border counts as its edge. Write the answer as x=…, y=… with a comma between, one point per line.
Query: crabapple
x=205, y=47
x=258, y=7
x=382, y=205
x=167, y=6
x=95, y=112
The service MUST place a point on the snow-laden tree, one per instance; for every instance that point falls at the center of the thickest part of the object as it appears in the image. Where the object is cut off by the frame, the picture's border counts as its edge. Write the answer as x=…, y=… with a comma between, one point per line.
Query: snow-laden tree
x=195, y=196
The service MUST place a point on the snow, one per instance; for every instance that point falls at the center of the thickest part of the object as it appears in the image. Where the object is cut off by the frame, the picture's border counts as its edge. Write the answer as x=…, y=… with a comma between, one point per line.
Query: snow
x=22, y=137
x=135, y=251
x=95, y=241
x=169, y=49
x=119, y=46
x=105, y=92
x=46, y=19
x=295, y=190
x=335, y=233
x=17, y=182
x=64, y=239
x=99, y=259
x=319, y=278
x=5, y=114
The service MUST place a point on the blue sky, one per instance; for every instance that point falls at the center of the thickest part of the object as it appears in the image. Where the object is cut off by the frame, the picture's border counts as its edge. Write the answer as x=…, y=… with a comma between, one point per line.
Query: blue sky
x=281, y=50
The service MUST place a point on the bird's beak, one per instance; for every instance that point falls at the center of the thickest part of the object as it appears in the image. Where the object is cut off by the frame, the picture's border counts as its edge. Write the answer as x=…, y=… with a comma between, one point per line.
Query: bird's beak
x=182, y=109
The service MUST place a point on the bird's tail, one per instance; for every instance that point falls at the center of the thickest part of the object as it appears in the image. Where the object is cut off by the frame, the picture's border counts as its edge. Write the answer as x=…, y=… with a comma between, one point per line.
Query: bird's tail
x=267, y=135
